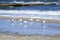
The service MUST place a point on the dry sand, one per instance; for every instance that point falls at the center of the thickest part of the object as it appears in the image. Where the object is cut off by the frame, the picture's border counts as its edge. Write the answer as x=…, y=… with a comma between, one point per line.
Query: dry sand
x=16, y=37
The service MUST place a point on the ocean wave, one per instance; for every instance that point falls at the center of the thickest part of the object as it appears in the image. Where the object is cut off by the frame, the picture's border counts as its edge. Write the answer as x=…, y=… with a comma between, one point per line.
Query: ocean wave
x=30, y=12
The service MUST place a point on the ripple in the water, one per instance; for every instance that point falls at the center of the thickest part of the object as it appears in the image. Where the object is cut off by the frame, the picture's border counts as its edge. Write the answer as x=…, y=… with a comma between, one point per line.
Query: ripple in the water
x=29, y=27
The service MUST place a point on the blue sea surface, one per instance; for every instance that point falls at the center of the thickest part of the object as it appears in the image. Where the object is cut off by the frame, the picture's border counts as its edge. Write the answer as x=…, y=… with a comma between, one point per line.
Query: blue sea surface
x=36, y=28
x=7, y=1
x=40, y=8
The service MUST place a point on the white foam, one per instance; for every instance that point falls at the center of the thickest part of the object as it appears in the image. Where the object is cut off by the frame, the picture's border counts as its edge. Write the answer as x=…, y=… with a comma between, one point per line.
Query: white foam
x=30, y=12
x=22, y=2
x=52, y=13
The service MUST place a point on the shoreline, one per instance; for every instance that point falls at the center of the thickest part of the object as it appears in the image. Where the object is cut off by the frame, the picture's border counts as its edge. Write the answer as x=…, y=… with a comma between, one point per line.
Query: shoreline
x=17, y=37
x=28, y=19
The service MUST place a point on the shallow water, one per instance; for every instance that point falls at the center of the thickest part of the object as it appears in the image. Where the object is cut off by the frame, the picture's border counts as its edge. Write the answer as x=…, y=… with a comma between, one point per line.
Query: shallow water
x=30, y=27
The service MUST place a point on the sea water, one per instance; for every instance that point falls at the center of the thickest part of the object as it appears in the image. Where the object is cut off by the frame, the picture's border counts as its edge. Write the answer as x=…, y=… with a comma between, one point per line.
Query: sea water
x=28, y=0
x=30, y=27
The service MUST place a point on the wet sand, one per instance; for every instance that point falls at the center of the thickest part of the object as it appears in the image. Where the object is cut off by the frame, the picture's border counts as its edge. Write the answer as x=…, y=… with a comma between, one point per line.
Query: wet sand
x=17, y=37
x=34, y=19
x=29, y=4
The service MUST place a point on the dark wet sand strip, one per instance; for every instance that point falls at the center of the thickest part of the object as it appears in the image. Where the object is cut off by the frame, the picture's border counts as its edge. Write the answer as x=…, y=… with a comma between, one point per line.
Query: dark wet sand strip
x=29, y=4
x=34, y=19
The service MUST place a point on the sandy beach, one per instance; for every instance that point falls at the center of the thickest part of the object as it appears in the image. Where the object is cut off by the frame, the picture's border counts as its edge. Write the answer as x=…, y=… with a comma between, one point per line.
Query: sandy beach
x=17, y=37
